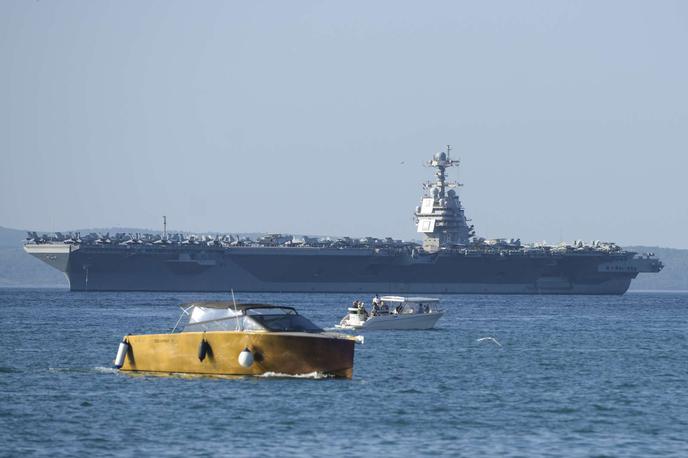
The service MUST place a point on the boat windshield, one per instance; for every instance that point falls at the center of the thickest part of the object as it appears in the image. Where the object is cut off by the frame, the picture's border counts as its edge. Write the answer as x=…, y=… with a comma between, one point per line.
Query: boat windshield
x=286, y=322
x=248, y=319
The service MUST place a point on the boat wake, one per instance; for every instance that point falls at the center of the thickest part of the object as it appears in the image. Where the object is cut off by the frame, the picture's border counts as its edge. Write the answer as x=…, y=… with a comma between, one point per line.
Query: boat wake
x=82, y=370
x=106, y=370
x=177, y=375
x=310, y=375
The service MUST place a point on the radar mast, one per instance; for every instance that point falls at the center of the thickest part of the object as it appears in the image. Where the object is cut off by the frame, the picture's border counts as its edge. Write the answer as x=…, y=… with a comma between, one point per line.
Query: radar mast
x=441, y=217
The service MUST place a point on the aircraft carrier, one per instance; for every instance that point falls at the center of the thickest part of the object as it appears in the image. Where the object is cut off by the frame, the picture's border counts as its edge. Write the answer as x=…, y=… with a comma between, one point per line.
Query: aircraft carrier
x=451, y=259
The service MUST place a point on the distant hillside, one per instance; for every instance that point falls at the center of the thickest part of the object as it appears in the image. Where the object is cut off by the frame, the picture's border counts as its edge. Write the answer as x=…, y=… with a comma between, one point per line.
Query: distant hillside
x=18, y=269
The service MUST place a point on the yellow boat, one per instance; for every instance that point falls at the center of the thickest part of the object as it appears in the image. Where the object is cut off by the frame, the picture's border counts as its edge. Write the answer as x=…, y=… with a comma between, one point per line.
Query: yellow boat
x=224, y=338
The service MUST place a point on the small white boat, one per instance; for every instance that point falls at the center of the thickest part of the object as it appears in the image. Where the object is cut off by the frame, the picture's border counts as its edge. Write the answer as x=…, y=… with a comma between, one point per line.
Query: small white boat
x=394, y=312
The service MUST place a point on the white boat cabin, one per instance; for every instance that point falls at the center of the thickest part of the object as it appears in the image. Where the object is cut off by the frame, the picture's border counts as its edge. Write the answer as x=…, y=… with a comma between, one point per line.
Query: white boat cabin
x=406, y=305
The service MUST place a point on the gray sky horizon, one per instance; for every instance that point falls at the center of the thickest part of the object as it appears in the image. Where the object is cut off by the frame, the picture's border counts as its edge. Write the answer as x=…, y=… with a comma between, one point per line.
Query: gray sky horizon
x=570, y=118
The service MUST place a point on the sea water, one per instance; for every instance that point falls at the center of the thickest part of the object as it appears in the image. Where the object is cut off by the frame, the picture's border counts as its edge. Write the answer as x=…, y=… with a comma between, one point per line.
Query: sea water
x=500, y=375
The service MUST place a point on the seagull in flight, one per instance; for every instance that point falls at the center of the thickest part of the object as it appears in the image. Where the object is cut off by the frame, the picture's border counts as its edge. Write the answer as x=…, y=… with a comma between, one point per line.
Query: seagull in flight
x=490, y=339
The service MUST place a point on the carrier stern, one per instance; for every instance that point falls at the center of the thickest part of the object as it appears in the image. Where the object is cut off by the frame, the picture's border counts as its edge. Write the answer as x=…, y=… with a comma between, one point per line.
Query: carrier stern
x=634, y=265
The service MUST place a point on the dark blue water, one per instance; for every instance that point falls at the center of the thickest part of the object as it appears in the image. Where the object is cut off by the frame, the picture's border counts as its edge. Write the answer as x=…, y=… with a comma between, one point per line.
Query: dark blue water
x=575, y=376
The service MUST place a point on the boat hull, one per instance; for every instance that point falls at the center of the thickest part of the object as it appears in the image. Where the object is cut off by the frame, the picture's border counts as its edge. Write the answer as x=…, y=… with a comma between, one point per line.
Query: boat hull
x=276, y=353
x=399, y=322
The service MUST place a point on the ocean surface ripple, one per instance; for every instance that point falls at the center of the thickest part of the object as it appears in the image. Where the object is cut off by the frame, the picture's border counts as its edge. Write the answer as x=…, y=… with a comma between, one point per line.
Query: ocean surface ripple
x=501, y=375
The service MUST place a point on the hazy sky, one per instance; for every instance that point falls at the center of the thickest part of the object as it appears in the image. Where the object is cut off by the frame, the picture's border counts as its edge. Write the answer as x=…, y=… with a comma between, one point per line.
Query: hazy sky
x=570, y=118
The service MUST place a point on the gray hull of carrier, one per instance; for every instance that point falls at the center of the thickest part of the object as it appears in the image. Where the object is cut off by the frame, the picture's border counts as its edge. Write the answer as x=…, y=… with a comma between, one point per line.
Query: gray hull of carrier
x=292, y=269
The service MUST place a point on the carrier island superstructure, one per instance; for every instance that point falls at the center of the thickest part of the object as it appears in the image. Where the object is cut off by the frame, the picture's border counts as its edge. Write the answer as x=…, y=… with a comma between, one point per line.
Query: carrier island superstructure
x=451, y=259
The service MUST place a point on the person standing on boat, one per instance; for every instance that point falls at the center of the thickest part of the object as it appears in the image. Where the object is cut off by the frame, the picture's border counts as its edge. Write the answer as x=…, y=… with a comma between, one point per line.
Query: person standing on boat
x=361, y=310
x=376, y=300
x=376, y=309
x=384, y=308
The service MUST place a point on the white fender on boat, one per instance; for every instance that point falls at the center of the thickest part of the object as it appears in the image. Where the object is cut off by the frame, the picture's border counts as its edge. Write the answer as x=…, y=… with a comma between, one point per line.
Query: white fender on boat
x=246, y=358
x=360, y=340
x=121, y=353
